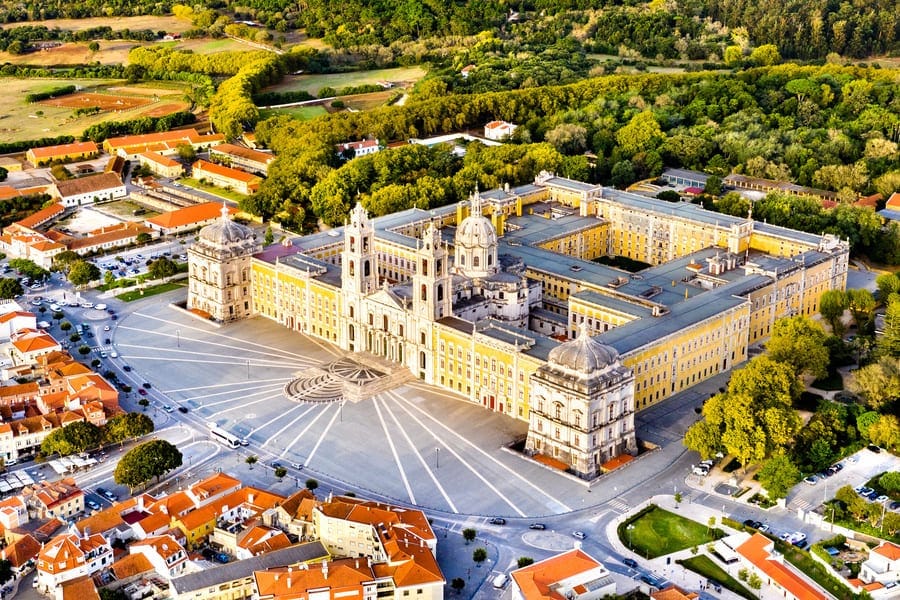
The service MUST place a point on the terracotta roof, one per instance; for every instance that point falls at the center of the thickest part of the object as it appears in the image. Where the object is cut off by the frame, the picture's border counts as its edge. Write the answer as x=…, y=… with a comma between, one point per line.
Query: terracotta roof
x=21, y=551
x=339, y=576
x=893, y=201
x=756, y=550
x=248, y=153
x=159, y=159
x=12, y=315
x=222, y=171
x=180, y=135
x=20, y=388
x=80, y=588
x=889, y=550
x=164, y=545
x=870, y=201
x=131, y=565
x=34, y=341
x=673, y=592
x=86, y=185
x=126, y=231
x=43, y=215
x=358, y=145
x=189, y=214
x=497, y=125
x=295, y=503
x=64, y=150
x=540, y=579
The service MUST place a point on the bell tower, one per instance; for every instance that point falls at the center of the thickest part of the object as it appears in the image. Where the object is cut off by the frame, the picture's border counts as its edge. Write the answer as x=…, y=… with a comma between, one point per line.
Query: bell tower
x=359, y=262
x=432, y=283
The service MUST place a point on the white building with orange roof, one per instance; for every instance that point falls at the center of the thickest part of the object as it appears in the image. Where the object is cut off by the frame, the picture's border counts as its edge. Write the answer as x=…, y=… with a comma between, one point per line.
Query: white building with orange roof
x=294, y=515
x=883, y=565
x=248, y=159
x=77, y=150
x=188, y=218
x=80, y=588
x=161, y=165
x=499, y=130
x=69, y=556
x=166, y=142
x=357, y=149
x=16, y=321
x=20, y=551
x=758, y=553
x=572, y=575
x=43, y=216
x=22, y=242
x=226, y=177
x=167, y=556
x=243, y=539
x=13, y=512
x=23, y=436
x=330, y=580
x=673, y=592
x=88, y=190
x=20, y=393
x=27, y=345
x=62, y=499
x=108, y=238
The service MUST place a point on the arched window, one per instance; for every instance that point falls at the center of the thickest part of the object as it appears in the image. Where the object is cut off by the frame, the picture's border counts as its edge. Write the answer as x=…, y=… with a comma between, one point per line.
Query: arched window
x=490, y=259
x=424, y=268
x=367, y=270
x=462, y=259
x=351, y=333
x=440, y=292
x=352, y=269
x=424, y=292
x=475, y=261
x=384, y=322
x=438, y=269
x=352, y=244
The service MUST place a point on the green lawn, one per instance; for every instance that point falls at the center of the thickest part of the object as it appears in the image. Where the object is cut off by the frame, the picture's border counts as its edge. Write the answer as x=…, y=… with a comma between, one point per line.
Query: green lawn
x=657, y=532
x=705, y=566
x=301, y=113
x=150, y=291
x=313, y=83
x=211, y=189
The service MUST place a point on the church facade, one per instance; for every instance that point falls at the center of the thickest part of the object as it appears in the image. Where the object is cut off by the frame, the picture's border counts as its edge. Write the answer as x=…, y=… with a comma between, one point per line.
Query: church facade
x=500, y=299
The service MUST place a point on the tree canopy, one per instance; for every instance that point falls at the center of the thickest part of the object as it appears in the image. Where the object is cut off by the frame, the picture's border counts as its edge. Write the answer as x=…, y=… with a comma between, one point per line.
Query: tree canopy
x=71, y=439
x=146, y=461
x=82, y=272
x=800, y=342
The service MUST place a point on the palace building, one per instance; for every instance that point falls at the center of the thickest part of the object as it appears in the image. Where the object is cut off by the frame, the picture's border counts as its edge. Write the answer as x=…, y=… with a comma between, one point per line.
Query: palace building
x=501, y=299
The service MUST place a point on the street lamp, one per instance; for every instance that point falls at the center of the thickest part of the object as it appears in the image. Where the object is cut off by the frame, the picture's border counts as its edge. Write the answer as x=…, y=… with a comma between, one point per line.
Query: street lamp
x=178, y=338
x=629, y=529
x=437, y=458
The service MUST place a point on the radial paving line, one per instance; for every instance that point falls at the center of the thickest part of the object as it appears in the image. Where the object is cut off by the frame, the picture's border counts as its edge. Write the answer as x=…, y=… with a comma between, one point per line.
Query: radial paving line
x=480, y=451
x=280, y=416
x=264, y=388
x=217, y=385
x=390, y=441
x=322, y=436
x=302, y=433
x=207, y=332
x=422, y=460
x=463, y=462
x=259, y=361
x=247, y=404
x=237, y=363
x=258, y=392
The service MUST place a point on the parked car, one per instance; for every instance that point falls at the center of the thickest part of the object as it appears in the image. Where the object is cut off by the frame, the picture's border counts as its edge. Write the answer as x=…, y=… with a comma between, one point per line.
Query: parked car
x=538, y=526
x=182, y=410
x=92, y=505
x=107, y=494
x=126, y=368
x=168, y=409
x=630, y=563
x=498, y=521
x=142, y=391
x=579, y=534
x=811, y=480
x=147, y=385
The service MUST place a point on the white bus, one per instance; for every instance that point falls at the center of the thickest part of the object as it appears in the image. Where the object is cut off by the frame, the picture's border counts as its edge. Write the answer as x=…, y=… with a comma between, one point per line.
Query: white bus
x=224, y=438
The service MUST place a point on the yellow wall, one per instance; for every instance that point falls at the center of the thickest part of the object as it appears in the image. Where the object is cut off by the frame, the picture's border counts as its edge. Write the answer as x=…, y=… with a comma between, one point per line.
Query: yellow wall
x=778, y=246
x=586, y=244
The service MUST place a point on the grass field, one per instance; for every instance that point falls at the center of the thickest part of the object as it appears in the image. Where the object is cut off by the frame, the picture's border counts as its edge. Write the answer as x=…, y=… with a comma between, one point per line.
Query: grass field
x=156, y=23
x=211, y=189
x=150, y=291
x=21, y=121
x=302, y=113
x=658, y=532
x=313, y=83
x=705, y=566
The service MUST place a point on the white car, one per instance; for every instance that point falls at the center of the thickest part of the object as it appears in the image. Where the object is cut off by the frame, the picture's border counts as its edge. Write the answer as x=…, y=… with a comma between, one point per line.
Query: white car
x=87, y=305
x=100, y=307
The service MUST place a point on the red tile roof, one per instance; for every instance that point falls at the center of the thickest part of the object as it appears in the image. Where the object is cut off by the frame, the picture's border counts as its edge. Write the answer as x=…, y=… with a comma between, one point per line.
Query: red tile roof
x=189, y=214
x=889, y=550
x=228, y=172
x=540, y=579
x=159, y=159
x=43, y=215
x=64, y=150
x=756, y=550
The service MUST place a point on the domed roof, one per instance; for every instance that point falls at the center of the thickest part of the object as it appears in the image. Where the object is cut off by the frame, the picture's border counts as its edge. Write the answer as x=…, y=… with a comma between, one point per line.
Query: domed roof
x=584, y=354
x=225, y=232
x=476, y=230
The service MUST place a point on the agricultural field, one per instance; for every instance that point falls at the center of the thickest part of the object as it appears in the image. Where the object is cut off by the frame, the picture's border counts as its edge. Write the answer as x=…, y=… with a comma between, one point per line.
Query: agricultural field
x=156, y=23
x=22, y=121
x=401, y=77
x=302, y=113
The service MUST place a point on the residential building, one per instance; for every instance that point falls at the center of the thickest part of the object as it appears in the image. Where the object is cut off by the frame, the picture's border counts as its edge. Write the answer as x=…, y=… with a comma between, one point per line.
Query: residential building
x=474, y=298
x=572, y=575
x=70, y=556
x=80, y=588
x=161, y=165
x=673, y=592
x=248, y=159
x=294, y=515
x=10, y=164
x=108, y=237
x=13, y=512
x=882, y=565
x=13, y=319
x=43, y=216
x=43, y=156
x=758, y=554
x=131, y=147
x=22, y=242
x=27, y=345
x=328, y=580
x=226, y=177
x=62, y=499
x=88, y=190
x=219, y=270
x=188, y=218
x=499, y=130
x=357, y=149
x=20, y=552
x=167, y=556
x=243, y=539
x=236, y=580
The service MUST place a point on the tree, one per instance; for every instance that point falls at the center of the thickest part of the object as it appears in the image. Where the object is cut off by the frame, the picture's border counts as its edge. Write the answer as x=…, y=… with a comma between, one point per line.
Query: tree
x=766, y=55
x=889, y=344
x=800, y=342
x=469, y=534
x=704, y=437
x=74, y=437
x=864, y=421
x=524, y=561
x=832, y=305
x=251, y=460
x=733, y=55
x=778, y=475
x=94, y=46
x=862, y=306
x=28, y=268
x=890, y=481
x=312, y=485
x=84, y=350
x=6, y=572
x=878, y=383
x=57, y=315
x=143, y=237
x=479, y=555
x=83, y=272
x=713, y=185
x=458, y=584
x=280, y=472
x=754, y=581
x=885, y=432
x=186, y=152
x=65, y=326
x=127, y=426
x=162, y=267
x=10, y=288
x=64, y=259
x=146, y=461
x=642, y=133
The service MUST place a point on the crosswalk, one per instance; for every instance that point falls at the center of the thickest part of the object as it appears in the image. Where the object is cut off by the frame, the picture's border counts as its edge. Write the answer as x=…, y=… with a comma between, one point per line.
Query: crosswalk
x=619, y=505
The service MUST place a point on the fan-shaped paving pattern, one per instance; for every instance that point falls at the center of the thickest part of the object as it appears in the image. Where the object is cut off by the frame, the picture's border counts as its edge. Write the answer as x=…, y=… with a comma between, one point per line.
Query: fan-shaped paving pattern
x=317, y=389
x=354, y=372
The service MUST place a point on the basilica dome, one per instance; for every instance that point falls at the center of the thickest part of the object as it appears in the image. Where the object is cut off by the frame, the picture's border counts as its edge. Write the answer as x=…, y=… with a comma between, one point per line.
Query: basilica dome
x=225, y=232
x=584, y=354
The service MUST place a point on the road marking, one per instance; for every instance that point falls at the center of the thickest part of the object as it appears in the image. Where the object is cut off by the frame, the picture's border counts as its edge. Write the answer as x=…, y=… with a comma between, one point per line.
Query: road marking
x=188, y=327
x=226, y=359
x=279, y=418
x=462, y=461
x=237, y=363
x=322, y=436
x=281, y=381
x=390, y=441
x=266, y=399
x=421, y=458
x=256, y=388
x=598, y=516
x=619, y=505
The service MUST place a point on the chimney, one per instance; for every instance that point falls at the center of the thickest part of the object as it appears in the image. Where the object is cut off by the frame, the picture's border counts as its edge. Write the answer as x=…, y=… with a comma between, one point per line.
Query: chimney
x=325, y=570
